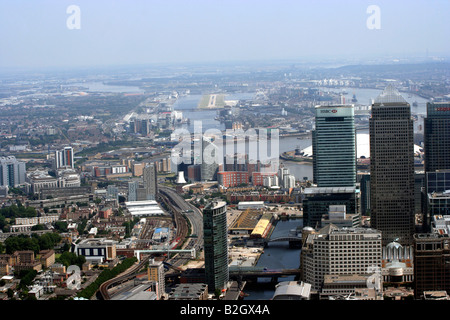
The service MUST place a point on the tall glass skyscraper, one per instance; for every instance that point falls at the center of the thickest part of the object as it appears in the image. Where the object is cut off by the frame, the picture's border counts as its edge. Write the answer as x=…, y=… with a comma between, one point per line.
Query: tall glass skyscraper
x=334, y=146
x=437, y=136
x=392, y=167
x=437, y=158
x=215, y=245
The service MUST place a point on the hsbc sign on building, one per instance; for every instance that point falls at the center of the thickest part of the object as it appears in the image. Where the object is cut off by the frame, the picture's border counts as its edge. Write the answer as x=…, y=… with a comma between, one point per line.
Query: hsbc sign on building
x=335, y=111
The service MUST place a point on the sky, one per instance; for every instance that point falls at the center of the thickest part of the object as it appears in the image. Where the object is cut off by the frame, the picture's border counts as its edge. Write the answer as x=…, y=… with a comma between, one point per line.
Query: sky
x=35, y=33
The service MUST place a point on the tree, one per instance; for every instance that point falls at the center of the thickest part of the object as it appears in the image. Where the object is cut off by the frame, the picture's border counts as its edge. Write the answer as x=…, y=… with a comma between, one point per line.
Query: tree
x=38, y=227
x=61, y=226
x=69, y=258
x=10, y=293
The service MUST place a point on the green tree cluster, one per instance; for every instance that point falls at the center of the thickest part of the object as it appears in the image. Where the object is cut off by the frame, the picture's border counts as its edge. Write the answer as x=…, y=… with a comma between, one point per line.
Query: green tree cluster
x=35, y=243
x=18, y=211
x=106, y=275
x=69, y=258
x=26, y=278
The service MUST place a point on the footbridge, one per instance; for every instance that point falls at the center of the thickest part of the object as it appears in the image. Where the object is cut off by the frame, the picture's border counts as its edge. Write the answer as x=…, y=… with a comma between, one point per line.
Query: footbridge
x=138, y=253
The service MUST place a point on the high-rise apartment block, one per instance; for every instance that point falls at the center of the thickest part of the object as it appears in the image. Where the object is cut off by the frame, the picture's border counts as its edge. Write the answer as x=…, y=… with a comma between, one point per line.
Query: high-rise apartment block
x=156, y=273
x=392, y=167
x=64, y=158
x=216, y=245
x=150, y=181
x=12, y=171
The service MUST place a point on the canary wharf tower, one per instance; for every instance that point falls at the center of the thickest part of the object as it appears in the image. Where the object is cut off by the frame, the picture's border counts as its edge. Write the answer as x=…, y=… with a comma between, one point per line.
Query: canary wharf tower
x=392, y=167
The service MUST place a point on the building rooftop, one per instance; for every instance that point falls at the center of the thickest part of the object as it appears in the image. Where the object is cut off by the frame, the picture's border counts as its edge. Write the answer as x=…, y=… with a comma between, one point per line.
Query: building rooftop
x=319, y=190
x=188, y=291
x=148, y=207
x=390, y=95
x=293, y=289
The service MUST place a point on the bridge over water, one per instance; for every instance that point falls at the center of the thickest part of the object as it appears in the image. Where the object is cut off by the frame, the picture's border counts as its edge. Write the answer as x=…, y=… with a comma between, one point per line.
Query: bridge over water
x=294, y=241
x=253, y=273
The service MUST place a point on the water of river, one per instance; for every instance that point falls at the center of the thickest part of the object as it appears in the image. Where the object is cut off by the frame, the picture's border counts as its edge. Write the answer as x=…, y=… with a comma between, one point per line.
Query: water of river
x=276, y=256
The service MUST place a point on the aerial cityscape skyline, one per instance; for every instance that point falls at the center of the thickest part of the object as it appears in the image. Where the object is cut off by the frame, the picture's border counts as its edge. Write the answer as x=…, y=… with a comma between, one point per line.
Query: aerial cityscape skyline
x=223, y=157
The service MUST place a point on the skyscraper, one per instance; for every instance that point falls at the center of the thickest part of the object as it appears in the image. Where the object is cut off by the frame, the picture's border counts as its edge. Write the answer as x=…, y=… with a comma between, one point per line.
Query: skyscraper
x=12, y=171
x=334, y=147
x=392, y=167
x=215, y=245
x=64, y=158
x=437, y=156
x=150, y=181
x=431, y=260
x=437, y=136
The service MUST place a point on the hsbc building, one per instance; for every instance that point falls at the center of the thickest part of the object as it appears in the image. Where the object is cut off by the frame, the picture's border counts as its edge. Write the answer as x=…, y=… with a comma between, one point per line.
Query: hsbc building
x=334, y=146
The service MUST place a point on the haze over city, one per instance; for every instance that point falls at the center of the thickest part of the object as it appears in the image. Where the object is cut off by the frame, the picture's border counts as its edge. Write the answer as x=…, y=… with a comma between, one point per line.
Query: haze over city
x=224, y=154
x=34, y=33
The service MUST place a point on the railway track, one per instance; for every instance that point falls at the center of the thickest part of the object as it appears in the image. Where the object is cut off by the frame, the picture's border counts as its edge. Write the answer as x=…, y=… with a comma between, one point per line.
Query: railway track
x=130, y=273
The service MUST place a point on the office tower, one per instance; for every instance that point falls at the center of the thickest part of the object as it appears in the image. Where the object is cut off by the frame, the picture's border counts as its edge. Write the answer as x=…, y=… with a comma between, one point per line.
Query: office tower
x=150, y=181
x=437, y=136
x=334, y=147
x=132, y=190
x=215, y=245
x=12, y=171
x=437, y=154
x=364, y=186
x=431, y=261
x=317, y=201
x=437, y=196
x=64, y=158
x=155, y=273
x=340, y=251
x=392, y=167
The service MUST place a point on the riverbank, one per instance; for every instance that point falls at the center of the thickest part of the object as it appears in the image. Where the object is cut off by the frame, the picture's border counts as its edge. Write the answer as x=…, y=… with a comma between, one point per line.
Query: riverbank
x=290, y=156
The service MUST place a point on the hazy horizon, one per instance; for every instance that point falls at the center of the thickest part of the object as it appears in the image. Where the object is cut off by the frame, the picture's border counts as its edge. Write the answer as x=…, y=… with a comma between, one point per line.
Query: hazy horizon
x=35, y=34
